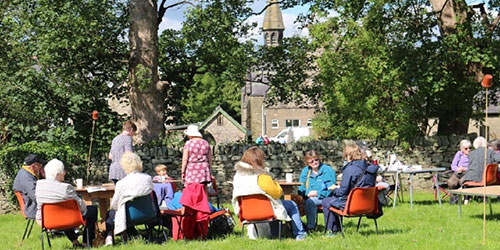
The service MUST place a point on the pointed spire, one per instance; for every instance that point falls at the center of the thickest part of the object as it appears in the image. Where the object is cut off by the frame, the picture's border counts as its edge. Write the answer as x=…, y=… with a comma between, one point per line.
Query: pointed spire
x=273, y=25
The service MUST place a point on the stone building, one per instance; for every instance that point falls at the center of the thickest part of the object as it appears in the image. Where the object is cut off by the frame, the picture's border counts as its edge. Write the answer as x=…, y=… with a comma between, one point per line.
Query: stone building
x=218, y=128
x=256, y=116
x=223, y=128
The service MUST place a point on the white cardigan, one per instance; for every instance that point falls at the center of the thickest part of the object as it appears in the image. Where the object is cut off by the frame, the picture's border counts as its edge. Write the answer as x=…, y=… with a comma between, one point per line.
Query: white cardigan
x=133, y=185
x=245, y=183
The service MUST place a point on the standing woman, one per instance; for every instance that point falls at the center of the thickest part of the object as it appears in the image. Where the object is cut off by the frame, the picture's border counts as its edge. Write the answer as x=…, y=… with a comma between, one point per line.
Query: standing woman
x=121, y=143
x=316, y=177
x=196, y=158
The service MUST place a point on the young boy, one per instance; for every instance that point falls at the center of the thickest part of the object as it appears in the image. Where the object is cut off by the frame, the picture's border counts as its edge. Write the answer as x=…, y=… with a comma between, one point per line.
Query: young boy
x=161, y=171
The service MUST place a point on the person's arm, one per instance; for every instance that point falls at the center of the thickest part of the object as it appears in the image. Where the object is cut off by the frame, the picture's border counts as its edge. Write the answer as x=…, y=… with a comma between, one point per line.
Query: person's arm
x=303, y=179
x=454, y=163
x=495, y=156
x=269, y=186
x=30, y=188
x=110, y=156
x=117, y=196
x=185, y=155
x=331, y=178
x=71, y=195
x=345, y=186
x=128, y=145
x=209, y=156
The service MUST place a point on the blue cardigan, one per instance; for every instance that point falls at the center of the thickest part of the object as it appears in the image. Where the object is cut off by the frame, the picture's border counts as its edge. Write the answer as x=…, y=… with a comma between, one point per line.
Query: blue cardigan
x=326, y=177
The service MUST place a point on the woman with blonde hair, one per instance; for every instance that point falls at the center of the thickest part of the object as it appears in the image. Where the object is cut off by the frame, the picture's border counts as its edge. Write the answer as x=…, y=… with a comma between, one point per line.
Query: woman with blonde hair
x=358, y=172
x=135, y=184
x=252, y=178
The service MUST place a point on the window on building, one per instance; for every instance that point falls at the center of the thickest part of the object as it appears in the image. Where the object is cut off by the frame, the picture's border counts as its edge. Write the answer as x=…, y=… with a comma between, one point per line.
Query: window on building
x=274, y=123
x=220, y=120
x=309, y=123
x=292, y=123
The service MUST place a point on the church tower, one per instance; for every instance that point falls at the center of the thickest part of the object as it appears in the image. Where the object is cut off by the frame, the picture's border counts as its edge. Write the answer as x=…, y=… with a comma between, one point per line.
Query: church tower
x=273, y=26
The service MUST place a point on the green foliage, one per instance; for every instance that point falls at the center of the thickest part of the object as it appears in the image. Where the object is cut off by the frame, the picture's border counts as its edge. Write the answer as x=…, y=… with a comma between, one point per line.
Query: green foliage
x=12, y=156
x=205, y=62
x=61, y=61
x=384, y=68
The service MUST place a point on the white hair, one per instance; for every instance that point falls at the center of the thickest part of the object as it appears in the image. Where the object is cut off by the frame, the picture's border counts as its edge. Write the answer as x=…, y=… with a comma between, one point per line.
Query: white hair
x=464, y=144
x=480, y=142
x=53, y=168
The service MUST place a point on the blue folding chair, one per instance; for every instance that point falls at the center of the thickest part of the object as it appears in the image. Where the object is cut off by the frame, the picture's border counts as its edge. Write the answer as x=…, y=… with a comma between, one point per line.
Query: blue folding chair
x=144, y=210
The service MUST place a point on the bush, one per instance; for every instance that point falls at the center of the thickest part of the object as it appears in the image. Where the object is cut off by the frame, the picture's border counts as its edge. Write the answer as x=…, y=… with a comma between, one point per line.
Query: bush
x=12, y=156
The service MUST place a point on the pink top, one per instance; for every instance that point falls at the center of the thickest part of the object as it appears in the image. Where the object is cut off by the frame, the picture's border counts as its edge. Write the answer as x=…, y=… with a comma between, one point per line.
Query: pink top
x=198, y=167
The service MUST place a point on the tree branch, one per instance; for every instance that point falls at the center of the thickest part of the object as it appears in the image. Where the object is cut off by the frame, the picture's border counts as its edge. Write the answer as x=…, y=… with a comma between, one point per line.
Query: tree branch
x=484, y=16
x=161, y=11
x=495, y=23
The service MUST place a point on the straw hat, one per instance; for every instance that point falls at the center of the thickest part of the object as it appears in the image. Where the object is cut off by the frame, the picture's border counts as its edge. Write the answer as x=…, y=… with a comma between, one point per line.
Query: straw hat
x=192, y=130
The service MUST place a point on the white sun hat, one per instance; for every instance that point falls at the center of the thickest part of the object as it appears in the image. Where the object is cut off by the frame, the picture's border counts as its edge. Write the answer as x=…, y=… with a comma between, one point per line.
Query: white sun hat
x=192, y=130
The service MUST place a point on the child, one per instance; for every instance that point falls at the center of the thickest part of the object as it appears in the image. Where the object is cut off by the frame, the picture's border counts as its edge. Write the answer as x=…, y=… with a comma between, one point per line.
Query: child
x=161, y=171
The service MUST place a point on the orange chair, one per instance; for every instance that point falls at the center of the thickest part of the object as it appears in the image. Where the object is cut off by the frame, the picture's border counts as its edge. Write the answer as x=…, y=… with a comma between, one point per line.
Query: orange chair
x=491, y=177
x=30, y=223
x=255, y=209
x=360, y=202
x=61, y=216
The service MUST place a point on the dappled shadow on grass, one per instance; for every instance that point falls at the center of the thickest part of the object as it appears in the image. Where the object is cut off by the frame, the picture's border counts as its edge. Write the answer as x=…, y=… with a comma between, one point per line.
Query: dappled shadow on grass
x=488, y=216
x=369, y=223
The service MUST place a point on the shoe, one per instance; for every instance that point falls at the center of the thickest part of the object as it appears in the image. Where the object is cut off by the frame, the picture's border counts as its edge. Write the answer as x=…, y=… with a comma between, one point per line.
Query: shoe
x=301, y=237
x=108, y=241
x=79, y=246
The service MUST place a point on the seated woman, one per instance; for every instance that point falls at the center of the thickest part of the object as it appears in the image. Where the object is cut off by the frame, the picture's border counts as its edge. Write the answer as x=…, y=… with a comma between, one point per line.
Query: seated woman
x=316, y=177
x=252, y=178
x=53, y=190
x=135, y=184
x=459, y=165
x=356, y=173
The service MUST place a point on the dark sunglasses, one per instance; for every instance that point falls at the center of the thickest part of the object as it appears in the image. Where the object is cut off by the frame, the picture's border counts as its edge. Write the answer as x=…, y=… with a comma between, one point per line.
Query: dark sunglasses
x=314, y=160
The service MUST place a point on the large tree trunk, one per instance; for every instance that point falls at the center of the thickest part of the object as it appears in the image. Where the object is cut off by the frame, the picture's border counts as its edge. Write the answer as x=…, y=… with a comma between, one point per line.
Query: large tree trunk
x=147, y=97
x=454, y=120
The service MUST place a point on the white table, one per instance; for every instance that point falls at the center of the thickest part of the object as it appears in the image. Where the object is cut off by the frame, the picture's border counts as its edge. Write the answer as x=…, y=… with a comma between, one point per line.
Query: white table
x=413, y=172
x=489, y=191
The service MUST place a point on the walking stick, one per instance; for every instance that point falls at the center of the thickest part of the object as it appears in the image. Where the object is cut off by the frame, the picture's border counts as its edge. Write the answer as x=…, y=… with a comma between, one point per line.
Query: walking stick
x=95, y=115
x=486, y=83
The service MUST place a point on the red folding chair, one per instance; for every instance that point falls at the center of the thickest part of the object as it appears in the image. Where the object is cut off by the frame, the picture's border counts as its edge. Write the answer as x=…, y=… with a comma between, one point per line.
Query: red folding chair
x=255, y=209
x=30, y=222
x=360, y=202
x=61, y=216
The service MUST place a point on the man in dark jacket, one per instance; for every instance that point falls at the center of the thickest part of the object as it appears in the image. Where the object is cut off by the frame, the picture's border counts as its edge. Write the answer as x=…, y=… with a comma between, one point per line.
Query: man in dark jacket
x=357, y=173
x=476, y=160
x=25, y=182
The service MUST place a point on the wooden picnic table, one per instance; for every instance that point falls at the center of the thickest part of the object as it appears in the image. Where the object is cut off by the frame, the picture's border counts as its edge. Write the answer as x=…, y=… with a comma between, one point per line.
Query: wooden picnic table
x=489, y=191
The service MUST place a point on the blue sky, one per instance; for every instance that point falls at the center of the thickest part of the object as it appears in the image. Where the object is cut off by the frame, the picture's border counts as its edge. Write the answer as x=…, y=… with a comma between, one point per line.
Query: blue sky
x=173, y=19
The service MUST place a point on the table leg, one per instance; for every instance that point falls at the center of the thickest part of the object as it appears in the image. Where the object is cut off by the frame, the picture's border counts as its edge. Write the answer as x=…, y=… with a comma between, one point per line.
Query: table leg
x=436, y=186
x=459, y=205
x=103, y=207
x=287, y=192
x=87, y=199
x=396, y=184
x=411, y=191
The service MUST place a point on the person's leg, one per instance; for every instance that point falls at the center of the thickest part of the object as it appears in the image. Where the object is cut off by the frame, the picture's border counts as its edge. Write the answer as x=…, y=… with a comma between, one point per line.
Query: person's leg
x=293, y=211
x=91, y=217
x=453, y=181
x=312, y=211
x=326, y=205
x=110, y=222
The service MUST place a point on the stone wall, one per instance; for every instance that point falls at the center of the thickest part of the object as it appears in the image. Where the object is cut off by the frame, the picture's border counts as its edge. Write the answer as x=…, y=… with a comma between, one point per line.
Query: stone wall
x=429, y=152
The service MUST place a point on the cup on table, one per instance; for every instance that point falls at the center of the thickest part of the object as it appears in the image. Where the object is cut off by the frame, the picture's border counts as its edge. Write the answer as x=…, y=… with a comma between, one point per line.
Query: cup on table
x=289, y=177
x=79, y=183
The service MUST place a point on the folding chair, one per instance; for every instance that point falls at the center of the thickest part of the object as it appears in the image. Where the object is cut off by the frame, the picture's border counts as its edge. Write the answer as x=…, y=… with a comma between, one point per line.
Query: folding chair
x=441, y=185
x=144, y=210
x=30, y=222
x=255, y=209
x=61, y=216
x=360, y=202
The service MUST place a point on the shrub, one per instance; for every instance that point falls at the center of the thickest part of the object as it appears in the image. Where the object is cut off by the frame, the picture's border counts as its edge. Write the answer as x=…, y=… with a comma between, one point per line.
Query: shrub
x=12, y=156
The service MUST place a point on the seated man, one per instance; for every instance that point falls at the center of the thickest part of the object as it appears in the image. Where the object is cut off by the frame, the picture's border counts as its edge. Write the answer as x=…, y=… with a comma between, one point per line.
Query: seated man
x=25, y=182
x=53, y=190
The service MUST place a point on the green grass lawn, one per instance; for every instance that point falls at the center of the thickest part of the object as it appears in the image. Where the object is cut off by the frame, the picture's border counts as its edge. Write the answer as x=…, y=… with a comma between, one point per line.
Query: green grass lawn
x=427, y=226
